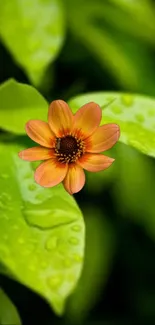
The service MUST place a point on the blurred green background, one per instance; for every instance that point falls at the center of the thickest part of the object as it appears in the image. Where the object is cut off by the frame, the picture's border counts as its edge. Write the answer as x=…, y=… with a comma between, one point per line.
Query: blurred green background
x=65, y=48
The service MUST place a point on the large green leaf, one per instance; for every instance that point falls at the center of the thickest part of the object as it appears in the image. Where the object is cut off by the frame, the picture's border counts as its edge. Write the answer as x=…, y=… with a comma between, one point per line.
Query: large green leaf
x=18, y=104
x=100, y=249
x=134, y=113
x=33, y=31
x=8, y=312
x=41, y=231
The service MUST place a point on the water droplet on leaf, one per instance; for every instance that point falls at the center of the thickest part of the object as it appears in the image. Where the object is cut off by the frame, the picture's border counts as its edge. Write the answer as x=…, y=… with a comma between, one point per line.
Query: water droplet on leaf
x=127, y=99
x=51, y=243
x=28, y=175
x=116, y=109
x=140, y=118
x=67, y=262
x=77, y=258
x=32, y=187
x=39, y=196
x=73, y=241
x=76, y=228
x=54, y=282
x=46, y=218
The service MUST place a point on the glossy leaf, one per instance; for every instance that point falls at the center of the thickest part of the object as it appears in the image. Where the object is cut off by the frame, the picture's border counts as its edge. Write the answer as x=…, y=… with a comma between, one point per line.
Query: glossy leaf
x=135, y=114
x=33, y=31
x=18, y=104
x=100, y=248
x=42, y=231
x=8, y=312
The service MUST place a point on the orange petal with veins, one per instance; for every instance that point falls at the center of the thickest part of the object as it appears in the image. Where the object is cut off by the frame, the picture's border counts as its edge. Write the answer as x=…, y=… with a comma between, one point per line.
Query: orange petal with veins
x=36, y=153
x=103, y=138
x=60, y=117
x=41, y=133
x=50, y=173
x=74, y=180
x=87, y=119
x=94, y=162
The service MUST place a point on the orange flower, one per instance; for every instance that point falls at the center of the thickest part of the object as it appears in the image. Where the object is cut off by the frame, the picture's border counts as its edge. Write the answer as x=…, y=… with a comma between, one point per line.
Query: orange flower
x=70, y=142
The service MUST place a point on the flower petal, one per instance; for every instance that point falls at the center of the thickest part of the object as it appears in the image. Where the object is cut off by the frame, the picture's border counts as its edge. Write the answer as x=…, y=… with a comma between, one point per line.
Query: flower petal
x=87, y=119
x=103, y=138
x=60, y=117
x=74, y=180
x=95, y=162
x=50, y=173
x=36, y=153
x=40, y=132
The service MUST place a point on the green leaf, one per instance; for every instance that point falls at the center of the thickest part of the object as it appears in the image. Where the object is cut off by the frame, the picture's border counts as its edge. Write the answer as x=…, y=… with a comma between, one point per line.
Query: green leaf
x=41, y=231
x=18, y=104
x=33, y=31
x=134, y=113
x=116, y=50
x=100, y=248
x=120, y=13
x=103, y=46
x=8, y=312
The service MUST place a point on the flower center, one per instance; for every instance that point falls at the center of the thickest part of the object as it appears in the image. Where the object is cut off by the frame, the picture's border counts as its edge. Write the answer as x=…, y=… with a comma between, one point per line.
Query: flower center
x=68, y=149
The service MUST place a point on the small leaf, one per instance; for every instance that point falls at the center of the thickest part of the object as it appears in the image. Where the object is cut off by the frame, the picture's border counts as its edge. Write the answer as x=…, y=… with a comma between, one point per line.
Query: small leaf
x=33, y=31
x=8, y=312
x=18, y=104
x=135, y=114
x=42, y=231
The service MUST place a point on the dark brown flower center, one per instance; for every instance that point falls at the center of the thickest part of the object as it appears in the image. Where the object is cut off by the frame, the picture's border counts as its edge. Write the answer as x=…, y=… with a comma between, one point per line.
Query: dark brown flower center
x=68, y=149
